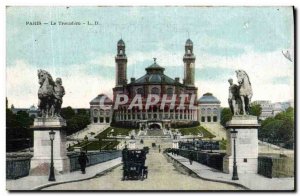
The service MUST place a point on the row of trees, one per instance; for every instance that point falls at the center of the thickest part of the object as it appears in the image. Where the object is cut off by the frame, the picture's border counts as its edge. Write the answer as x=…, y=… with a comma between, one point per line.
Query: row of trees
x=278, y=130
x=18, y=132
x=75, y=121
x=20, y=136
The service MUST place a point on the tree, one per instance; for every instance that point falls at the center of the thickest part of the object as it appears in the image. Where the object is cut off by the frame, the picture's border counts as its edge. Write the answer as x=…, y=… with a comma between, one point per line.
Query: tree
x=255, y=110
x=226, y=116
x=279, y=129
x=18, y=130
x=75, y=122
x=67, y=113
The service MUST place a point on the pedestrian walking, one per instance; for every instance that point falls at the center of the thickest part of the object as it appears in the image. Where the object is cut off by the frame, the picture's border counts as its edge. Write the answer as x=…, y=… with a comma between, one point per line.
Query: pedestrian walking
x=83, y=159
x=191, y=157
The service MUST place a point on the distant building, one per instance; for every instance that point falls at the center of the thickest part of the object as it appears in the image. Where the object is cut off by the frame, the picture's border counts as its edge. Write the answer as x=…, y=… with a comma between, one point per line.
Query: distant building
x=266, y=108
x=32, y=110
x=99, y=115
x=271, y=109
x=209, y=109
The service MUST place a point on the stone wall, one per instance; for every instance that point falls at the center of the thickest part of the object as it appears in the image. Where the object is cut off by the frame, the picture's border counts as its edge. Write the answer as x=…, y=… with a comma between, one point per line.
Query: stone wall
x=94, y=158
x=214, y=160
x=276, y=167
x=17, y=165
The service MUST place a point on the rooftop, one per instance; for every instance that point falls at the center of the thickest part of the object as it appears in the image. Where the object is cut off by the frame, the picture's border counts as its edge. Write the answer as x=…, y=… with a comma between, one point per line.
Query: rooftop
x=208, y=98
x=155, y=74
x=96, y=100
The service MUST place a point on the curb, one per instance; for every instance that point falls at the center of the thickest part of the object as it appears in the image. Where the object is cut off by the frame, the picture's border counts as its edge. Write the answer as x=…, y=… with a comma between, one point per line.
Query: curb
x=39, y=188
x=208, y=179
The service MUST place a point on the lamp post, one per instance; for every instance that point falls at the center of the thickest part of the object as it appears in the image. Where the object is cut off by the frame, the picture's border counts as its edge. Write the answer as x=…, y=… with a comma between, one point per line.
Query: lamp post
x=28, y=144
x=100, y=144
x=86, y=139
x=210, y=144
x=51, y=175
x=234, y=173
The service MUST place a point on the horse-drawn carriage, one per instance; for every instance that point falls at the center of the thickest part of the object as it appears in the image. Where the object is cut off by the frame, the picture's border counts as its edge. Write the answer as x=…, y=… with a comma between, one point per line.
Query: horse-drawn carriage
x=134, y=164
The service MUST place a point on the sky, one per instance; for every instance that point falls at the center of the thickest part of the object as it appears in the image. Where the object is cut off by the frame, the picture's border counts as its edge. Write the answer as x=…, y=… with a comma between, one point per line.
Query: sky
x=225, y=39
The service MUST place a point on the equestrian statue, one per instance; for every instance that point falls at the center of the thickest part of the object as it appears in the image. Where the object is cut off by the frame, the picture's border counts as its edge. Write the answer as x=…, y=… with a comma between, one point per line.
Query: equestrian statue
x=50, y=95
x=240, y=95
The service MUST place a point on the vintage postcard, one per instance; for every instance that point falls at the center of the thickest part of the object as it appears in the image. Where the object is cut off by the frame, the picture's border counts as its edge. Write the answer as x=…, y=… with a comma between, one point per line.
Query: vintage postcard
x=167, y=98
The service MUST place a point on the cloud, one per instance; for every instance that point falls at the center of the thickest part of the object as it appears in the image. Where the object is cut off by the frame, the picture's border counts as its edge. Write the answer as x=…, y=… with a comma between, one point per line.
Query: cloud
x=275, y=93
x=22, y=85
x=85, y=81
x=262, y=67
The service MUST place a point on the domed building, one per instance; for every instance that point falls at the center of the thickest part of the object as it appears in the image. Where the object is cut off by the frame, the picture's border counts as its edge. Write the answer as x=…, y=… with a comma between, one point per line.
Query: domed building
x=101, y=110
x=155, y=81
x=209, y=109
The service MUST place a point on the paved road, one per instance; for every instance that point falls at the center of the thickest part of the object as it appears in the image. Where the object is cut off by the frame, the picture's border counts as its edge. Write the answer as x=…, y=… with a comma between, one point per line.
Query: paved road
x=163, y=175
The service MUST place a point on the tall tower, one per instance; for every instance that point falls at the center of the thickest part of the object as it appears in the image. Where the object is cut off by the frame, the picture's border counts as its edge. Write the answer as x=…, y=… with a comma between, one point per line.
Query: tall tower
x=189, y=64
x=121, y=64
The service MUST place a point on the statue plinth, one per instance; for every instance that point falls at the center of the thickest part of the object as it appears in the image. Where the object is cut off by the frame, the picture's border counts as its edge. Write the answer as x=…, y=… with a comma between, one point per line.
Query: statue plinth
x=40, y=162
x=246, y=144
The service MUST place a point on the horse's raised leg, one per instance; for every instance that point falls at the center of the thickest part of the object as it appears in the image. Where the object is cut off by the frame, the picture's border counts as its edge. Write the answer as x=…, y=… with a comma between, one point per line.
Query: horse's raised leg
x=243, y=105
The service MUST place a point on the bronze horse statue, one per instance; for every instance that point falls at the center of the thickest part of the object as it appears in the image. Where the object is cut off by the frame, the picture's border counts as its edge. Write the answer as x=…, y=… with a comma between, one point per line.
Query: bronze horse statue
x=50, y=95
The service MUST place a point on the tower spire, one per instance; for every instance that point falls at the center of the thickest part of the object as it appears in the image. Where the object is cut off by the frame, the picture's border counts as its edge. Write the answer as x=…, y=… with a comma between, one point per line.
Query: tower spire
x=121, y=64
x=189, y=64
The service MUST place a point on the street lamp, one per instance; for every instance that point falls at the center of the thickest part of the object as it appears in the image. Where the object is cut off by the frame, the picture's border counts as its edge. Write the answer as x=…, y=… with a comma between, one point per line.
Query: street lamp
x=100, y=145
x=51, y=176
x=210, y=144
x=86, y=139
x=234, y=174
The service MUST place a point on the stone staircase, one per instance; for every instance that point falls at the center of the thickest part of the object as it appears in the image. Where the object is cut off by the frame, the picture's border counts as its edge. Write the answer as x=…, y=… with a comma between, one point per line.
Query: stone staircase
x=217, y=129
x=155, y=132
x=88, y=131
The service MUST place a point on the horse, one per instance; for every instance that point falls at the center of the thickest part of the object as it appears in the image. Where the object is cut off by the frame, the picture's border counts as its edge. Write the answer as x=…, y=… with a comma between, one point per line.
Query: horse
x=245, y=90
x=46, y=93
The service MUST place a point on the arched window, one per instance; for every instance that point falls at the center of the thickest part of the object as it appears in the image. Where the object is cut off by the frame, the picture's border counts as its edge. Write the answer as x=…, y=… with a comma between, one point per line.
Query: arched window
x=169, y=91
x=140, y=91
x=155, y=91
x=208, y=111
x=203, y=111
x=215, y=111
x=101, y=112
x=96, y=112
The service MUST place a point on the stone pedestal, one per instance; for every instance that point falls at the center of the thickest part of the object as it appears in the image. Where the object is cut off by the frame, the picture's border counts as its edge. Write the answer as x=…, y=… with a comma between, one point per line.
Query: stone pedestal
x=175, y=144
x=131, y=144
x=246, y=144
x=40, y=162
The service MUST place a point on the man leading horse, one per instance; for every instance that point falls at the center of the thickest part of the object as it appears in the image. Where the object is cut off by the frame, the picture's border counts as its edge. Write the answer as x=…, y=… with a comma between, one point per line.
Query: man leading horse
x=240, y=95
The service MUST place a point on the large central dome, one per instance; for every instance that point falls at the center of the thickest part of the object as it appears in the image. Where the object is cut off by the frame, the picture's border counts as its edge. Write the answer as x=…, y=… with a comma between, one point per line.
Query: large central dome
x=155, y=74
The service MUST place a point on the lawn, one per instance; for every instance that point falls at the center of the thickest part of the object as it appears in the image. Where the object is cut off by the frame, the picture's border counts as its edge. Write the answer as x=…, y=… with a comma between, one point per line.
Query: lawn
x=105, y=145
x=196, y=131
x=223, y=144
x=117, y=131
